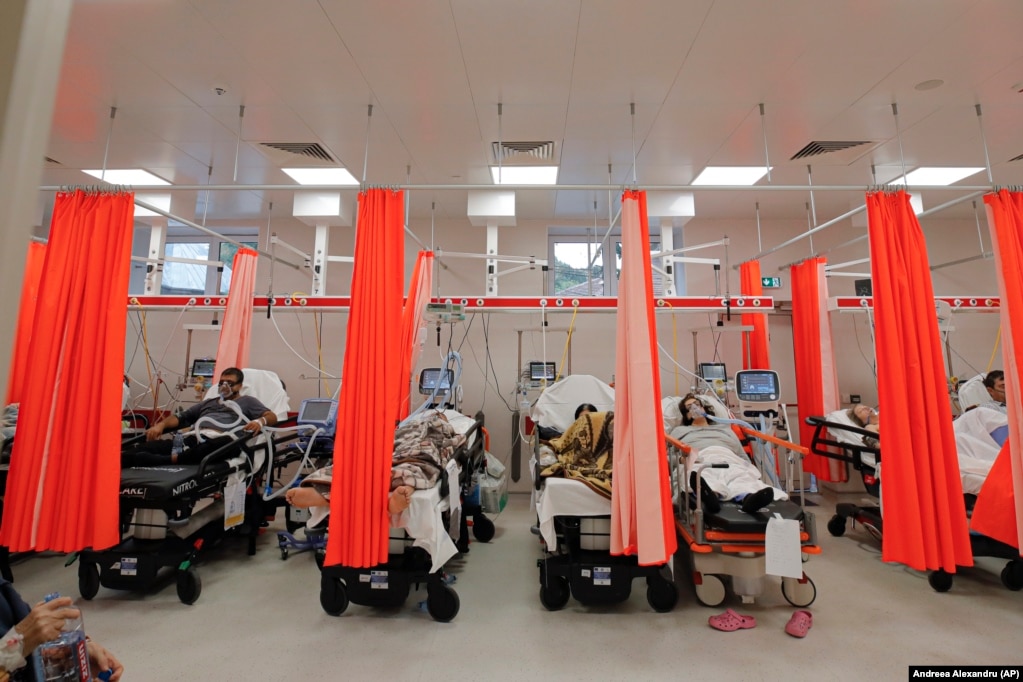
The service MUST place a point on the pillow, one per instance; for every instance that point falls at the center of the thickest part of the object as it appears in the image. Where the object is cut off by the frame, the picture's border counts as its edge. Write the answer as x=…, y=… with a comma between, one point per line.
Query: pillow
x=671, y=413
x=841, y=435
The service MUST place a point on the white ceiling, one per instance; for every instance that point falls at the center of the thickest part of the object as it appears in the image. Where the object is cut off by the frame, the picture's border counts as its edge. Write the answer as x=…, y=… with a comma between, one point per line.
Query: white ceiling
x=565, y=71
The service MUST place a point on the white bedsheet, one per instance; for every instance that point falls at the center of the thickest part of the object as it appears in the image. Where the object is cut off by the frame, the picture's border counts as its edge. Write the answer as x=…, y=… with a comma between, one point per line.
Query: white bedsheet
x=977, y=435
x=424, y=523
x=565, y=497
x=843, y=436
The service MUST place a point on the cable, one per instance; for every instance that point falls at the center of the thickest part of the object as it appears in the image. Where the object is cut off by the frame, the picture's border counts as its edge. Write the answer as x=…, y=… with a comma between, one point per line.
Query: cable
x=296, y=353
x=994, y=350
x=568, y=341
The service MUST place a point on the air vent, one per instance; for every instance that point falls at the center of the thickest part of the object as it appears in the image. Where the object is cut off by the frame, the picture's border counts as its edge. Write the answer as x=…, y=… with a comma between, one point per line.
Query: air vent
x=536, y=151
x=54, y=162
x=310, y=150
x=818, y=148
x=1016, y=158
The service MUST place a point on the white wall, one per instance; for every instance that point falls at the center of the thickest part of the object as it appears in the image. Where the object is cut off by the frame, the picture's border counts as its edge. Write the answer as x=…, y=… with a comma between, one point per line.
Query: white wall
x=490, y=360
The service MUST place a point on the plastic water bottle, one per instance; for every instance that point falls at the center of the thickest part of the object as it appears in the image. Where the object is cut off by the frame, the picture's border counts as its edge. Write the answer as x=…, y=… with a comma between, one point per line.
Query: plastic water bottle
x=66, y=658
x=178, y=444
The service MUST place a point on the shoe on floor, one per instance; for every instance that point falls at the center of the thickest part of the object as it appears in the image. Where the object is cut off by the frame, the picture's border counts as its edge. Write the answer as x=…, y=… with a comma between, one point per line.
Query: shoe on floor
x=730, y=621
x=756, y=501
x=799, y=624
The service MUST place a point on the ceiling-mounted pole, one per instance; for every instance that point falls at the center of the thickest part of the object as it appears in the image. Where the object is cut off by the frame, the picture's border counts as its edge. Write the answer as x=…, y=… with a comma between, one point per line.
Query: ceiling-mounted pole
x=632, y=108
x=610, y=222
x=763, y=128
x=238, y=141
x=106, y=151
x=760, y=242
x=976, y=219
x=898, y=135
x=273, y=249
x=809, y=232
x=500, y=145
x=987, y=158
x=813, y=207
x=820, y=227
x=365, y=157
x=408, y=201
x=589, y=247
x=206, y=200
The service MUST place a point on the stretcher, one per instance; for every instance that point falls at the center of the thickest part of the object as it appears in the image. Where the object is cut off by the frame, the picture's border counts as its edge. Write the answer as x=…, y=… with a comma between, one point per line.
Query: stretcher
x=171, y=514
x=727, y=549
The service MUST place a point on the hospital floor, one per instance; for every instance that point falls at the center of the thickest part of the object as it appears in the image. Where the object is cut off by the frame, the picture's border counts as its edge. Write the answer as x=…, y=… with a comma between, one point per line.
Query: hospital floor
x=260, y=618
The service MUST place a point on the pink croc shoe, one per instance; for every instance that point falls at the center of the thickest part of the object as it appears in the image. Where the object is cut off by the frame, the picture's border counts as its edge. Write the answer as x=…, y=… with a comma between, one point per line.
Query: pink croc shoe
x=799, y=624
x=730, y=621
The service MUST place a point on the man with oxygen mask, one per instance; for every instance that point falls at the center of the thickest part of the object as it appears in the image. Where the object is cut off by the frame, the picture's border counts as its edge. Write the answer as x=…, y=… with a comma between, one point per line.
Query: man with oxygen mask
x=218, y=415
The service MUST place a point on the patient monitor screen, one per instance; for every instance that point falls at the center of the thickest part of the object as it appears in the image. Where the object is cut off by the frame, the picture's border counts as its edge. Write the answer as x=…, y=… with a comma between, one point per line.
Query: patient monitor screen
x=540, y=371
x=203, y=368
x=757, y=385
x=435, y=378
x=709, y=371
x=316, y=410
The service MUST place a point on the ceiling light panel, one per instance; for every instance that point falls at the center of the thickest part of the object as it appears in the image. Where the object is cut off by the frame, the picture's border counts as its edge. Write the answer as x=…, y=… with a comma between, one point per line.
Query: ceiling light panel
x=136, y=177
x=322, y=176
x=524, y=175
x=731, y=175
x=933, y=176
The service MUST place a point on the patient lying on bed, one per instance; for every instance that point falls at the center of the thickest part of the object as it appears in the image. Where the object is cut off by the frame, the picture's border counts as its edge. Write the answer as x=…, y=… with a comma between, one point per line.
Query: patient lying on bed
x=154, y=452
x=585, y=451
x=717, y=444
x=422, y=448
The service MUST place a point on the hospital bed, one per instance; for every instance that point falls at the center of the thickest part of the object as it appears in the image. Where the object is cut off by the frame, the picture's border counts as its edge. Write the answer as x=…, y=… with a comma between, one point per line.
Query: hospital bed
x=836, y=436
x=171, y=514
x=838, y=439
x=574, y=521
x=730, y=548
x=420, y=540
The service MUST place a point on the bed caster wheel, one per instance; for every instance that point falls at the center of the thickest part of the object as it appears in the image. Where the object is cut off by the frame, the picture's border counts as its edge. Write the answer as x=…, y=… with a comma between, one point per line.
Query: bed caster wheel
x=333, y=595
x=1012, y=576
x=189, y=585
x=88, y=580
x=483, y=528
x=797, y=593
x=555, y=593
x=836, y=526
x=442, y=603
x=940, y=580
x=284, y=553
x=710, y=589
x=661, y=594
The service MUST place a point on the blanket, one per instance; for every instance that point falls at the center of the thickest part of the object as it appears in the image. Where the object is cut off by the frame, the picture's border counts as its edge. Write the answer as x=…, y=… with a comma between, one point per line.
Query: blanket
x=585, y=452
x=421, y=451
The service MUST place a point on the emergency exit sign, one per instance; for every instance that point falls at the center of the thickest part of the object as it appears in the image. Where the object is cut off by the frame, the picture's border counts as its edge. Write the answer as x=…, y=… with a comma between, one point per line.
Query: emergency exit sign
x=770, y=282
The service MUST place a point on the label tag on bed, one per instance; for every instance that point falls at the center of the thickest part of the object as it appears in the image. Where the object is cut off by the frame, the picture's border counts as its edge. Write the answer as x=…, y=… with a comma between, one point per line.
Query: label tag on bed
x=234, y=500
x=782, y=554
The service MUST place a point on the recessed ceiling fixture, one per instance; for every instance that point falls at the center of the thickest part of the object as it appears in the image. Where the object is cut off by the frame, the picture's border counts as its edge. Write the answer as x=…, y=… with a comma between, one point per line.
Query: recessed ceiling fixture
x=929, y=84
x=135, y=177
x=321, y=176
x=935, y=176
x=524, y=175
x=731, y=175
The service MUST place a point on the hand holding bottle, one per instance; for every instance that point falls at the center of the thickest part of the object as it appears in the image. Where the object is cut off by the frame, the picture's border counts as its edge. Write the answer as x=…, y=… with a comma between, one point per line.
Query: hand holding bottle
x=45, y=621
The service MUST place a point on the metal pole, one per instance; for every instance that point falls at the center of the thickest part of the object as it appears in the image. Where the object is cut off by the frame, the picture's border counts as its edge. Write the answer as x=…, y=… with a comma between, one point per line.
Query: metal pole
x=106, y=150
x=238, y=141
x=763, y=128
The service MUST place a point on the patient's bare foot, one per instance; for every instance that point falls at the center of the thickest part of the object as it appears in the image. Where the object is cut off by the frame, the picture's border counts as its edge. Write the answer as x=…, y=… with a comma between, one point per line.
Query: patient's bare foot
x=305, y=497
x=400, y=499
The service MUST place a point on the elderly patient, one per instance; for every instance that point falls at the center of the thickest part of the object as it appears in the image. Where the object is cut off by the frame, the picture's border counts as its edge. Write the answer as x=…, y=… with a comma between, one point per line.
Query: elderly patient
x=422, y=448
x=585, y=452
x=718, y=444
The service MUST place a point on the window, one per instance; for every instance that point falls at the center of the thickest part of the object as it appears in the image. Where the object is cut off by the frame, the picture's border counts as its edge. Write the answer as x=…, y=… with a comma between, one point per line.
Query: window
x=191, y=279
x=572, y=251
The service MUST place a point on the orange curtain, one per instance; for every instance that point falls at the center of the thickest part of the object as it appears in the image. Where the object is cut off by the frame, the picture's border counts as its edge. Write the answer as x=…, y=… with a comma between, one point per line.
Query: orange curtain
x=641, y=516
x=26, y=319
x=412, y=325
x=921, y=493
x=236, y=330
x=66, y=465
x=370, y=387
x=755, y=353
x=816, y=376
x=999, y=513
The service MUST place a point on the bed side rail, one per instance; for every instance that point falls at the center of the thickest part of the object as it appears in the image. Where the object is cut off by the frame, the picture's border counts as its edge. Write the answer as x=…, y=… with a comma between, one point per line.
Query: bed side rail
x=848, y=452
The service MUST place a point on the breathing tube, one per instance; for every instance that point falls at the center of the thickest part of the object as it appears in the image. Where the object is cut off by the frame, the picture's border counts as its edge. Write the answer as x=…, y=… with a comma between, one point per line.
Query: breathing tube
x=762, y=455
